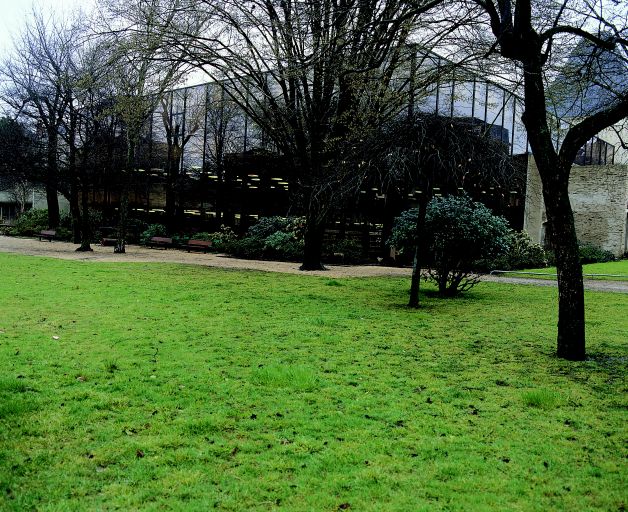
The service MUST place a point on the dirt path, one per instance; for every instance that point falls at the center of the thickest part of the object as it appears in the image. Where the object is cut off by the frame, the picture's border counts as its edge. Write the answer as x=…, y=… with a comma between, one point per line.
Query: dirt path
x=139, y=254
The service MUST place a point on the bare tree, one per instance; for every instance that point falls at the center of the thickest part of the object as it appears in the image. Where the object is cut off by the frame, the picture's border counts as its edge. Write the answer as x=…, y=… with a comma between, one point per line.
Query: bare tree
x=141, y=70
x=35, y=86
x=222, y=135
x=181, y=120
x=310, y=75
x=91, y=105
x=19, y=161
x=538, y=38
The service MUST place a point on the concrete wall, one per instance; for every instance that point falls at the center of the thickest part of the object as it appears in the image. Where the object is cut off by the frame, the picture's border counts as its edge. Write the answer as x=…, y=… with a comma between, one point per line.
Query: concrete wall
x=599, y=198
x=36, y=199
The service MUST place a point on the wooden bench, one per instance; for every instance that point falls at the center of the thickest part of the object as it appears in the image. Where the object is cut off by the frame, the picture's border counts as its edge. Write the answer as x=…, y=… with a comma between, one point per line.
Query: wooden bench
x=199, y=245
x=108, y=242
x=47, y=234
x=160, y=241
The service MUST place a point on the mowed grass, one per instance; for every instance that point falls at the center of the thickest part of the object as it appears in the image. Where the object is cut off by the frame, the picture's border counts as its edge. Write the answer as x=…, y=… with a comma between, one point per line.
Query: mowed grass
x=165, y=387
x=611, y=268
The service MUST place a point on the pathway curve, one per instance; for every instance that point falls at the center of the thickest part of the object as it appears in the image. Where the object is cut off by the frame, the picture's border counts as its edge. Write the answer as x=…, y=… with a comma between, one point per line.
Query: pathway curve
x=140, y=254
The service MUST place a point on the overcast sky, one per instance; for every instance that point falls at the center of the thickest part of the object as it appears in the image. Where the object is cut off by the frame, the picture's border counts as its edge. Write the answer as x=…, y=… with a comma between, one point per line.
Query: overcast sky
x=15, y=13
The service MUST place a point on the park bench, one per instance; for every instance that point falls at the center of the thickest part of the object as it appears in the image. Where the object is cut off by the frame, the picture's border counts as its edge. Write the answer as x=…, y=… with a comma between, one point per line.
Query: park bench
x=199, y=245
x=108, y=236
x=47, y=234
x=160, y=241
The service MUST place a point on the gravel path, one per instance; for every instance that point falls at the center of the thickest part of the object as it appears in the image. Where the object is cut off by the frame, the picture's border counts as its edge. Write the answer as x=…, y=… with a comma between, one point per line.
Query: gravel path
x=139, y=254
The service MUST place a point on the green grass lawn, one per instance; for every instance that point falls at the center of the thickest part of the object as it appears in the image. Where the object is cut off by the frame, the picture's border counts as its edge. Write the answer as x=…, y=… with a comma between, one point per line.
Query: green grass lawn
x=169, y=387
x=614, y=268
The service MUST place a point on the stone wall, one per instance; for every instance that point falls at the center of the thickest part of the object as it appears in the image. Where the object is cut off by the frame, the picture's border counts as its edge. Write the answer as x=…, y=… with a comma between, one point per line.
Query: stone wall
x=599, y=198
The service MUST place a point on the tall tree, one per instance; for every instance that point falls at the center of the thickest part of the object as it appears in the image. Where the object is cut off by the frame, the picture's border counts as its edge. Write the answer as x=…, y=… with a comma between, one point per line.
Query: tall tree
x=36, y=76
x=19, y=161
x=181, y=119
x=310, y=75
x=222, y=135
x=92, y=101
x=141, y=70
x=535, y=35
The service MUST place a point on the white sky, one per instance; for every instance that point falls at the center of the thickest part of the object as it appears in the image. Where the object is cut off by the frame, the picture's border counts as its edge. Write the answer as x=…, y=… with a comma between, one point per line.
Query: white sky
x=15, y=13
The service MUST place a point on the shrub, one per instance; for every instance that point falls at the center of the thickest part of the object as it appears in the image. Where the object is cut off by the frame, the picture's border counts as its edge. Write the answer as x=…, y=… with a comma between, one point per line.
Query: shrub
x=223, y=238
x=348, y=251
x=30, y=223
x=267, y=226
x=592, y=254
x=403, y=236
x=151, y=231
x=283, y=245
x=203, y=235
x=63, y=234
x=179, y=240
x=249, y=248
x=270, y=238
x=135, y=229
x=522, y=253
x=459, y=233
x=65, y=220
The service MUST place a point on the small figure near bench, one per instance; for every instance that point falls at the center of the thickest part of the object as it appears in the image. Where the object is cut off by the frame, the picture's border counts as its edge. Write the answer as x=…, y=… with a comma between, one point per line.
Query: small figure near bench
x=47, y=234
x=199, y=245
x=160, y=241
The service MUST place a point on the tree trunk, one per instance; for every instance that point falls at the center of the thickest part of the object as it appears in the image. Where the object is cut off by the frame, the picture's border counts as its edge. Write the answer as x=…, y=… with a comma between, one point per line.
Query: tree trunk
x=120, y=246
x=86, y=228
x=571, y=316
x=554, y=173
x=313, y=250
x=75, y=211
x=52, y=199
x=415, y=282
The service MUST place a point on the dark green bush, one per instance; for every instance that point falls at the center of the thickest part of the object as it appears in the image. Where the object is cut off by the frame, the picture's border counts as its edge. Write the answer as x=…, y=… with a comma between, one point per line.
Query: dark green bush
x=30, y=223
x=459, y=233
x=403, y=236
x=522, y=253
x=346, y=251
x=271, y=238
x=135, y=229
x=64, y=234
x=151, y=231
x=249, y=248
x=202, y=235
x=179, y=240
x=592, y=254
x=284, y=246
x=221, y=239
x=267, y=226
